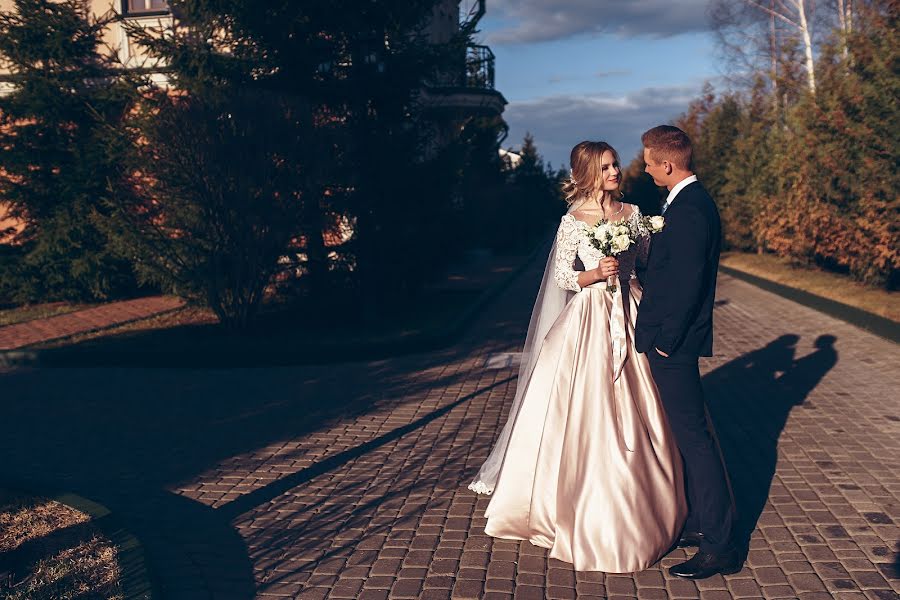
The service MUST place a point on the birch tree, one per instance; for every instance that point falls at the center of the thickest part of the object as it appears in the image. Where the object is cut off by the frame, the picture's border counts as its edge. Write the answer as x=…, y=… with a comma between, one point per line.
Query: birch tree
x=769, y=26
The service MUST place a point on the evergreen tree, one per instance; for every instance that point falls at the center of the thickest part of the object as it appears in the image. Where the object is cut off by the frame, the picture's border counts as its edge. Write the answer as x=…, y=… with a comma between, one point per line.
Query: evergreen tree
x=638, y=187
x=714, y=147
x=217, y=207
x=753, y=172
x=350, y=71
x=57, y=163
x=846, y=143
x=536, y=198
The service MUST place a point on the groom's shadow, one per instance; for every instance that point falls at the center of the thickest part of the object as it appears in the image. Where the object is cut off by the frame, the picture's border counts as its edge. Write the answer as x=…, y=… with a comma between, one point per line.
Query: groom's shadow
x=750, y=399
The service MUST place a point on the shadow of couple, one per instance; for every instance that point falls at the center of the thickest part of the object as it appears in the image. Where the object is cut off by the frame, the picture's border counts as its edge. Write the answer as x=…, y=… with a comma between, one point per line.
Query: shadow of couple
x=750, y=399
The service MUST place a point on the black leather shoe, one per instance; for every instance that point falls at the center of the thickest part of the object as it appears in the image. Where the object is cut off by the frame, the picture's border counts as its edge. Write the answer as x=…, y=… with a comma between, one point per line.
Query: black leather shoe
x=690, y=539
x=704, y=564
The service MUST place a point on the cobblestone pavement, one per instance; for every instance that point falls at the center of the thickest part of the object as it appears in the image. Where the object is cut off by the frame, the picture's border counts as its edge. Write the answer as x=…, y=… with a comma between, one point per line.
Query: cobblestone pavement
x=36, y=331
x=348, y=481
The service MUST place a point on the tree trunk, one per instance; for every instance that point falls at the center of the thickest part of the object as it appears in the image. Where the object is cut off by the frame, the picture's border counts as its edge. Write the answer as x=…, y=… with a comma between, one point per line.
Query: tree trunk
x=842, y=21
x=773, y=54
x=807, y=46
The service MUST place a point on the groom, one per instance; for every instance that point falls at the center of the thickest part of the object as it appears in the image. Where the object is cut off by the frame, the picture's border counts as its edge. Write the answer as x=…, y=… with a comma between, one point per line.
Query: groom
x=674, y=328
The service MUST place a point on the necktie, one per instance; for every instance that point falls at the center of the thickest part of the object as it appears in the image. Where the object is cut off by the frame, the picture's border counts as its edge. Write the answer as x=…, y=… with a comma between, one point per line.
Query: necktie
x=664, y=208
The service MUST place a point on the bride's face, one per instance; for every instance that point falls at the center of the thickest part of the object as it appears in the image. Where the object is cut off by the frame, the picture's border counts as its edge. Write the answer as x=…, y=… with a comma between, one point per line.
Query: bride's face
x=610, y=172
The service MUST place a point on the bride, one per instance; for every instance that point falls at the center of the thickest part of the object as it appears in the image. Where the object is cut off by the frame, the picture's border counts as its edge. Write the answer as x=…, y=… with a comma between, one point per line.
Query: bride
x=586, y=465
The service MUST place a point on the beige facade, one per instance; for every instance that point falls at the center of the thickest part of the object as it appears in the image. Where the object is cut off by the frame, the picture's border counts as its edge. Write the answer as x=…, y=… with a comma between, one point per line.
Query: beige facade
x=149, y=13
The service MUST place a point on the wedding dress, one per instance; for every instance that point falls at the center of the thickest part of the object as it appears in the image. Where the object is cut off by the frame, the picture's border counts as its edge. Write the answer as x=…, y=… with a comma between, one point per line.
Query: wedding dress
x=587, y=465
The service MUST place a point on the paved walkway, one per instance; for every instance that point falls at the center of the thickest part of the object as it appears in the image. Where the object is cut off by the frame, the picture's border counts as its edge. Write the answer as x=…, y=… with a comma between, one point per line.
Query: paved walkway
x=37, y=331
x=348, y=481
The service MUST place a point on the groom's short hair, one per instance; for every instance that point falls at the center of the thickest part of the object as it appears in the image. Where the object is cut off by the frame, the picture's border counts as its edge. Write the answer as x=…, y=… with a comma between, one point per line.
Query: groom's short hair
x=666, y=142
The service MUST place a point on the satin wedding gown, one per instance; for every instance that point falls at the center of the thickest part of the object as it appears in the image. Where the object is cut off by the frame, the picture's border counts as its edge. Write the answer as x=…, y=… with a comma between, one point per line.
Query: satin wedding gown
x=591, y=470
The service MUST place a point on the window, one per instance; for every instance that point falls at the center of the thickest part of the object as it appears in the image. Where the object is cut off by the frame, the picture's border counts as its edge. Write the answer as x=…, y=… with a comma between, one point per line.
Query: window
x=145, y=7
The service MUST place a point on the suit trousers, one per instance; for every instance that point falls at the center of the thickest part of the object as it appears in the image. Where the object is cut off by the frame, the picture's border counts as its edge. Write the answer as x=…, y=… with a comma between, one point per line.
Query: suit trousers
x=709, y=498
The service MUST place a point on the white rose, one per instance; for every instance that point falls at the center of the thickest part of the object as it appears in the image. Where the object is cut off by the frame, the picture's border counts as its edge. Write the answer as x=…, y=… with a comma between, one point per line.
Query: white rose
x=657, y=222
x=620, y=243
x=621, y=230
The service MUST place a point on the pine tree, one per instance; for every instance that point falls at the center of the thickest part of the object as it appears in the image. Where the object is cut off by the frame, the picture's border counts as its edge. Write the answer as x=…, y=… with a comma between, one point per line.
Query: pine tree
x=57, y=163
x=346, y=75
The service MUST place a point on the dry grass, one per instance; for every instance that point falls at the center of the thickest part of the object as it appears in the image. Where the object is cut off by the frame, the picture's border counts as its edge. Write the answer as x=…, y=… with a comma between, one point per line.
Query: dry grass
x=24, y=519
x=20, y=314
x=82, y=566
x=833, y=286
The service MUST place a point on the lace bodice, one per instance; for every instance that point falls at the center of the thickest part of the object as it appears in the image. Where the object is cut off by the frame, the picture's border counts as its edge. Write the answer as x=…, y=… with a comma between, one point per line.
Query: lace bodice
x=572, y=241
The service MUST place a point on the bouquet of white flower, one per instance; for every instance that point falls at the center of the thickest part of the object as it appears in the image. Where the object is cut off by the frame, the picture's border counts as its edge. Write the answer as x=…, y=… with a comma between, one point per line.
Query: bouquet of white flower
x=612, y=238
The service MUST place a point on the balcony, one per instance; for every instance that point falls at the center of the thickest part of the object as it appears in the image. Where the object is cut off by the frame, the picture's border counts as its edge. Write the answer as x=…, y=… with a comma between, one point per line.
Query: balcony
x=470, y=87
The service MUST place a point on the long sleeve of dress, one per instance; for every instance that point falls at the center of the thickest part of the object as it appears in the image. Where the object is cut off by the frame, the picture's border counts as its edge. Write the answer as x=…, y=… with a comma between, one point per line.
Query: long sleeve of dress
x=566, y=250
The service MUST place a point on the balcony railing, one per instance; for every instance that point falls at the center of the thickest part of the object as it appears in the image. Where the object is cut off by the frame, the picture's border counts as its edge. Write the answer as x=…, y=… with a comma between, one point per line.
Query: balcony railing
x=477, y=72
x=479, y=67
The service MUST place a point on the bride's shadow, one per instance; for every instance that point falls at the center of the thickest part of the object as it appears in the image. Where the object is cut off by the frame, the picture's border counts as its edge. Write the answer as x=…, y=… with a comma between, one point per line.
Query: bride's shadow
x=750, y=399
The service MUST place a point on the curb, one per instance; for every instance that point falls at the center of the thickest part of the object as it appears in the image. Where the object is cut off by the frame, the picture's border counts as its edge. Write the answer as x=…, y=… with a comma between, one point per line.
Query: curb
x=135, y=579
x=427, y=340
x=880, y=326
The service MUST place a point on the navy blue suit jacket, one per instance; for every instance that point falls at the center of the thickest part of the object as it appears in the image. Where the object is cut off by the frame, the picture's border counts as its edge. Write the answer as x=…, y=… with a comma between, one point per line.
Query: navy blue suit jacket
x=676, y=311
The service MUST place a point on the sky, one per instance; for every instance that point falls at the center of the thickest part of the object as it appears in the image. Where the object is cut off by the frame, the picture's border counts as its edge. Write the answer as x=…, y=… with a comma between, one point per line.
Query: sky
x=608, y=70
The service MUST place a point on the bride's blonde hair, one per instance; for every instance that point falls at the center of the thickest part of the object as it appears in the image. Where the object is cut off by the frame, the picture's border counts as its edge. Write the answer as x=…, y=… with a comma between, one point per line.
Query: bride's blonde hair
x=587, y=173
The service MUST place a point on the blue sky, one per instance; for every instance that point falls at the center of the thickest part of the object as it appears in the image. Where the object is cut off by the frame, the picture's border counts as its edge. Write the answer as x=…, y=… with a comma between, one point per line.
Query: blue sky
x=596, y=69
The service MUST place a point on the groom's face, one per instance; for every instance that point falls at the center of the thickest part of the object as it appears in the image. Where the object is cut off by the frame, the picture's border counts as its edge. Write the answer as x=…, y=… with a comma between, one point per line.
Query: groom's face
x=656, y=170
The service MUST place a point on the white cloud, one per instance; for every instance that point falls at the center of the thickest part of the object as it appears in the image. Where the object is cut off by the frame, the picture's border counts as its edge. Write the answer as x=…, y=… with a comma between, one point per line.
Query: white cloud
x=546, y=20
x=559, y=122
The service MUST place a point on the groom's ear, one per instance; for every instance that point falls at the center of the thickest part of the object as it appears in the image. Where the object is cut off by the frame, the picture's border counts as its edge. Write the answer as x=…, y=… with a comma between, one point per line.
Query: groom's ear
x=668, y=167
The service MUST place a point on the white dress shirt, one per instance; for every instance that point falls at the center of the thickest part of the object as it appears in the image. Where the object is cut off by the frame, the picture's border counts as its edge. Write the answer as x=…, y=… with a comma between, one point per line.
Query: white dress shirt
x=678, y=187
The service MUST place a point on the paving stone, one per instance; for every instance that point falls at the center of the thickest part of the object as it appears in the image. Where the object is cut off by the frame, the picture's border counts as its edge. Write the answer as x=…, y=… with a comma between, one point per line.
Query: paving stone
x=500, y=585
x=527, y=592
x=467, y=589
x=617, y=584
x=369, y=500
x=561, y=577
x=772, y=592
x=682, y=588
x=435, y=594
x=806, y=582
x=406, y=588
x=715, y=595
x=588, y=588
x=744, y=588
x=560, y=593
x=531, y=579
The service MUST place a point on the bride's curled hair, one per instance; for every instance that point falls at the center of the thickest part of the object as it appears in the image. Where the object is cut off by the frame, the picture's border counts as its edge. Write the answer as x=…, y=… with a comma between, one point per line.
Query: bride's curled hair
x=586, y=178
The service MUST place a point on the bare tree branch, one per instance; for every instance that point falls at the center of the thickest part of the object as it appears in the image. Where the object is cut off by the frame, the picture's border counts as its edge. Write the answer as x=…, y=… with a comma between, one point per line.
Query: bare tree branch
x=772, y=13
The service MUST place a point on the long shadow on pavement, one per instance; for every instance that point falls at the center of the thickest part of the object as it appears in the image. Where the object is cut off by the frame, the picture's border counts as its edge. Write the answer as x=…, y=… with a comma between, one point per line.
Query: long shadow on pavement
x=750, y=399
x=141, y=441
x=127, y=437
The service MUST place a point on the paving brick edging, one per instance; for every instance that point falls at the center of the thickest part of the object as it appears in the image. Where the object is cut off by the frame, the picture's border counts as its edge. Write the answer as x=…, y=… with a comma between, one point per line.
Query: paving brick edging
x=134, y=576
x=881, y=326
x=87, y=330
